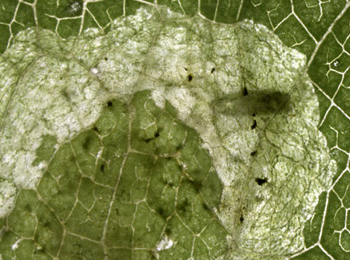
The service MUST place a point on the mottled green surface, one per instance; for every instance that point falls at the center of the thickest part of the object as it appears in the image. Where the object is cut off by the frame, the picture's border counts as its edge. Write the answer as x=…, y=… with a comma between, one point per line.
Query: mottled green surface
x=119, y=187
x=318, y=29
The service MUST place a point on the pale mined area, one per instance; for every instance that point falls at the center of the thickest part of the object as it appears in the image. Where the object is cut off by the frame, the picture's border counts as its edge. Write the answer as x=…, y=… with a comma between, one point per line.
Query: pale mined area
x=244, y=92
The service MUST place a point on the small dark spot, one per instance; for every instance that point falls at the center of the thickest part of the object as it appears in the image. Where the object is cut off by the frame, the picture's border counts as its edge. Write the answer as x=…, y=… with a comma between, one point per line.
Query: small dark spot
x=168, y=231
x=47, y=224
x=197, y=184
x=109, y=103
x=189, y=77
x=260, y=181
x=106, y=59
x=245, y=91
x=149, y=140
x=36, y=237
x=41, y=251
x=65, y=94
x=212, y=70
x=241, y=218
x=253, y=114
x=61, y=78
x=253, y=153
x=161, y=212
x=156, y=134
x=186, y=69
x=102, y=168
x=71, y=158
x=272, y=102
x=95, y=129
x=87, y=143
x=205, y=206
x=183, y=206
x=179, y=147
x=28, y=208
x=254, y=124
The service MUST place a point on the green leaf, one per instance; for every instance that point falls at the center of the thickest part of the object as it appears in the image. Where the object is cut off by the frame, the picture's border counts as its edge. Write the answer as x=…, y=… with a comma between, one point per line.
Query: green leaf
x=71, y=178
x=73, y=215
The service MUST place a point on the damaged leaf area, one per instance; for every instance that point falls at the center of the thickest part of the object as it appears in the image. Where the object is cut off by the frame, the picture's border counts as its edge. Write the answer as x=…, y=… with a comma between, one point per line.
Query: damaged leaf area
x=166, y=137
x=122, y=191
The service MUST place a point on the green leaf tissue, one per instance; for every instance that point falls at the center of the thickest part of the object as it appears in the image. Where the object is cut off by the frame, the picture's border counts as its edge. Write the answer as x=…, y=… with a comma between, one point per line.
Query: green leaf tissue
x=167, y=137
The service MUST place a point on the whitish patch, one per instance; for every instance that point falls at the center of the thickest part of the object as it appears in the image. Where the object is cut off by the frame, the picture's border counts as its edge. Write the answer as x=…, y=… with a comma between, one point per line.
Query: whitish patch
x=244, y=92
